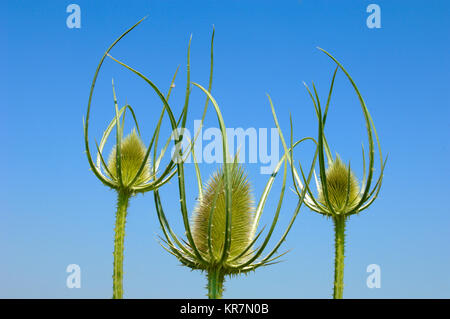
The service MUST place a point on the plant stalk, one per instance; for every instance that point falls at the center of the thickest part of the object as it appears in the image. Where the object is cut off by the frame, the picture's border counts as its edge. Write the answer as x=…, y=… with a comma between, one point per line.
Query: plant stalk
x=215, y=284
x=119, y=237
x=339, y=241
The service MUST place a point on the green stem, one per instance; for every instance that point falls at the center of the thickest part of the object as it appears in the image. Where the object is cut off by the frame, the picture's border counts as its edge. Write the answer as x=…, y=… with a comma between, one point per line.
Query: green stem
x=339, y=237
x=121, y=215
x=215, y=284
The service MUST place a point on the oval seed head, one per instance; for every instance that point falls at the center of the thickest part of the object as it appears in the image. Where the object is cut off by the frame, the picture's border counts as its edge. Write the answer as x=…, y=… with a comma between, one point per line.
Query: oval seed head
x=342, y=199
x=133, y=153
x=241, y=211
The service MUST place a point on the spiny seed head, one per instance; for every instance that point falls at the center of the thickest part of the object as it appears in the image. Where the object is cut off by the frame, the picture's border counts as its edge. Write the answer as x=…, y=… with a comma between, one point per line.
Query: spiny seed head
x=241, y=211
x=133, y=152
x=342, y=191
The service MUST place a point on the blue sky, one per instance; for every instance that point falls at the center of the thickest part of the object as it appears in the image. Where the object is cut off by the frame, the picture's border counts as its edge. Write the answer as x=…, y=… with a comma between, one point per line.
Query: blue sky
x=55, y=212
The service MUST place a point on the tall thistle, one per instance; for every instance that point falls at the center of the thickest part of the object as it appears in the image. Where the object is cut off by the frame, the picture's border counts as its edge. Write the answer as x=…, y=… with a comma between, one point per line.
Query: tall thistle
x=221, y=232
x=128, y=170
x=339, y=193
x=221, y=235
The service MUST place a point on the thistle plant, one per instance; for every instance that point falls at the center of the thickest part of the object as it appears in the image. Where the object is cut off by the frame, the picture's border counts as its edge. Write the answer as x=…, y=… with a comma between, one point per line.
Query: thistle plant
x=221, y=234
x=128, y=170
x=340, y=195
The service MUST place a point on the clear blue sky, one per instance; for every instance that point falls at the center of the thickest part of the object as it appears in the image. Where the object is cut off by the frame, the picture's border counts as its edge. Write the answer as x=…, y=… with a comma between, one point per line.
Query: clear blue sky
x=54, y=212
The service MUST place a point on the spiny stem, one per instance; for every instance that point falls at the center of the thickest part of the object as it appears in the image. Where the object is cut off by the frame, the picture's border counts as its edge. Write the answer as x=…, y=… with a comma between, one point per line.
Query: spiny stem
x=215, y=284
x=339, y=235
x=121, y=215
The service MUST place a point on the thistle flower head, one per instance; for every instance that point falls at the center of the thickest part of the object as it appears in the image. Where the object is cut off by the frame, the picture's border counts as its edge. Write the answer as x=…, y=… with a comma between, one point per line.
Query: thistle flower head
x=211, y=205
x=129, y=176
x=128, y=167
x=342, y=187
x=339, y=192
x=133, y=153
x=221, y=237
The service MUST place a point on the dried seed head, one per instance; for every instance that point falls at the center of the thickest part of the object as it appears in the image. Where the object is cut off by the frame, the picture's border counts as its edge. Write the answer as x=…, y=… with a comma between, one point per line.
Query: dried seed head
x=342, y=199
x=241, y=211
x=132, y=155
